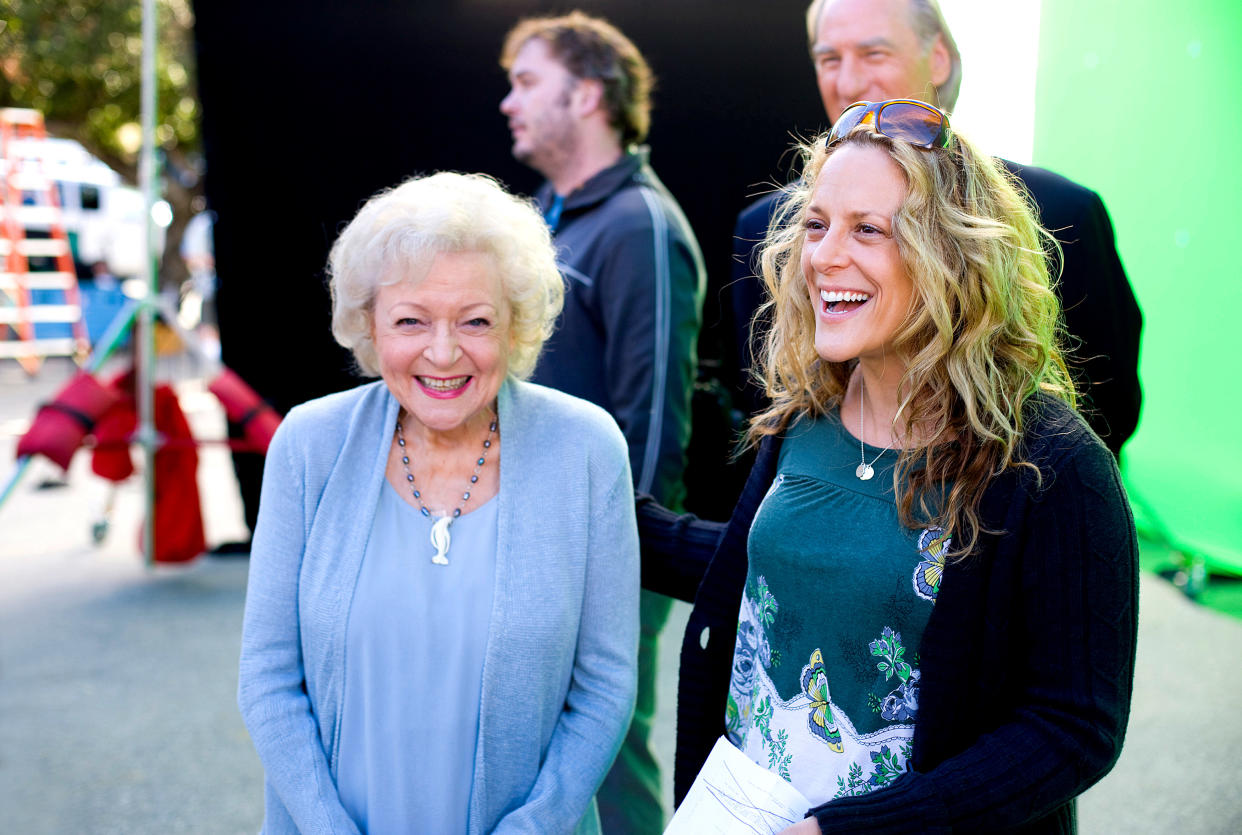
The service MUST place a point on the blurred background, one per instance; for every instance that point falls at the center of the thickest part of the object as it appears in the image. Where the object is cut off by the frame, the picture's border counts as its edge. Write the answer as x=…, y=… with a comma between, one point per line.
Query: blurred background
x=277, y=119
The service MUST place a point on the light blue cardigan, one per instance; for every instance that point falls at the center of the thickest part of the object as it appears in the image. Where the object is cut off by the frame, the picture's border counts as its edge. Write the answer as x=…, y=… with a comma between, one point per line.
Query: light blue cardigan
x=559, y=669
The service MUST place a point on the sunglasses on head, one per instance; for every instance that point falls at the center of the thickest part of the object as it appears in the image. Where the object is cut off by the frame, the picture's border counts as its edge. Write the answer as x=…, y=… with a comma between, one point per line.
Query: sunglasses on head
x=910, y=121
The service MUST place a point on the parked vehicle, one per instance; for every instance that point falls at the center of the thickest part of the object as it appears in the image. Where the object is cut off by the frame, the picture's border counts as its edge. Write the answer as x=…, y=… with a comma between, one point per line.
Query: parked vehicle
x=103, y=217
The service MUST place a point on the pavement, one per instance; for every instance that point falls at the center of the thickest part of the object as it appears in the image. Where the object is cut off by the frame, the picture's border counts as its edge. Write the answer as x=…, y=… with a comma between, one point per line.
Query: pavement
x=118, y=681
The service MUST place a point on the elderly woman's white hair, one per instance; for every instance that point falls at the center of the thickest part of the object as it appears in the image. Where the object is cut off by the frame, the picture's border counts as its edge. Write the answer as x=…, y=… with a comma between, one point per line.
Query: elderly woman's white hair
x=397, y=234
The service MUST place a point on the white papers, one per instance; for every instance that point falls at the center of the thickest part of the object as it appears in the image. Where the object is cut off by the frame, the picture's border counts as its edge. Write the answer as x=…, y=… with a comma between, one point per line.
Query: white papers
x=733, y=795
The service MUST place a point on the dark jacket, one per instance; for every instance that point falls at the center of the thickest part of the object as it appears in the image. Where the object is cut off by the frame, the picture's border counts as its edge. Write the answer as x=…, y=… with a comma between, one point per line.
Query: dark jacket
x=634, y=294
x=1101, y=314
x=1027, y=660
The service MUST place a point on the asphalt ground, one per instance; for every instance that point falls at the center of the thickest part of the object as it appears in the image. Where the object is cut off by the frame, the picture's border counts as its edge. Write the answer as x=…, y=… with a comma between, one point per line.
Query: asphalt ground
x=118, y=681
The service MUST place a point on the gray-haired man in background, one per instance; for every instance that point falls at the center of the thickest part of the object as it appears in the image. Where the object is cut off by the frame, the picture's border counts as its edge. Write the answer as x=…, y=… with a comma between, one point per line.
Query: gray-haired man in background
x=875, y=50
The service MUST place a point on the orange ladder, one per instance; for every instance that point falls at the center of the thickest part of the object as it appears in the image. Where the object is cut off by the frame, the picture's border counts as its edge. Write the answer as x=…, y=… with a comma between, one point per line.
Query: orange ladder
x=38, y=262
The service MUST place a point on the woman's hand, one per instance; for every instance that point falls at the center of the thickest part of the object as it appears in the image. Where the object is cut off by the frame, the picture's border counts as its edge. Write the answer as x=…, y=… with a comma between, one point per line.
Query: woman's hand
x=806, y=826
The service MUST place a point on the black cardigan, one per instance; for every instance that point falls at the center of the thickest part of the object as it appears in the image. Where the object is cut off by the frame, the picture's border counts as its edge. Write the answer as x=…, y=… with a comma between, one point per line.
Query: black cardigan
x=1027, y=661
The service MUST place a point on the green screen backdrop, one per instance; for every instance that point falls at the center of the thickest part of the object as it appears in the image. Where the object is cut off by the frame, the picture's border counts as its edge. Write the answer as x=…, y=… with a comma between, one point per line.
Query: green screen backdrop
x=1142, y=101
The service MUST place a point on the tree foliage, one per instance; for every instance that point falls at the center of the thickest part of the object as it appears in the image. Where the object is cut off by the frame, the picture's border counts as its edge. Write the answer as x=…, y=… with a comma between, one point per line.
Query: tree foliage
x=79, y=62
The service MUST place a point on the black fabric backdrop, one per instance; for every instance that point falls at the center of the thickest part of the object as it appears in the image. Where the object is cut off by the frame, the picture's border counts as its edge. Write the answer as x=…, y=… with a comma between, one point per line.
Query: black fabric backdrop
x=309, y=108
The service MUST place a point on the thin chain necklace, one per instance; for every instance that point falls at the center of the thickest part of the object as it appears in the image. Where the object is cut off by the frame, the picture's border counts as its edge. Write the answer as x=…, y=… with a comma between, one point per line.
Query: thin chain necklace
x=864, y=470
x=440, y=538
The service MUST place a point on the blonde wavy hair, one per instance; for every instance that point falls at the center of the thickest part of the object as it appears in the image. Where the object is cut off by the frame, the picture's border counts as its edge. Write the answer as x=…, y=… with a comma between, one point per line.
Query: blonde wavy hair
x=398, y=233
x=981, y=337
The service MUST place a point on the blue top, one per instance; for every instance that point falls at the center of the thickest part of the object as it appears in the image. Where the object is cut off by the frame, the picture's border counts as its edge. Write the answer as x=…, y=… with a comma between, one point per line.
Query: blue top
x=416, y=639
x=560, y=666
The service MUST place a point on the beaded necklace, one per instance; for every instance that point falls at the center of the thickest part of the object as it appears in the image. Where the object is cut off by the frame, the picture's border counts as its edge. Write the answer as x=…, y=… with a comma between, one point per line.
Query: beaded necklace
x=440, y=538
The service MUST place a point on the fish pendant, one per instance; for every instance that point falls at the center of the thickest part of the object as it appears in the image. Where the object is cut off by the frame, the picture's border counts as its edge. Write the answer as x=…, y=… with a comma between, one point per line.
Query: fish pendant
x=440, y=539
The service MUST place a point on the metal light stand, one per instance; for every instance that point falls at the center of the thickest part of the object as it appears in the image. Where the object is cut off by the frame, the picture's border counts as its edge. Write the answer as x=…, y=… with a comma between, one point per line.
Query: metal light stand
x=138, y=317
x=144, y=337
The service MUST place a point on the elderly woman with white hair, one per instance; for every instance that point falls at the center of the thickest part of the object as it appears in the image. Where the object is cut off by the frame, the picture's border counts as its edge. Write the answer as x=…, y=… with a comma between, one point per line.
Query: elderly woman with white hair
x=442, y=616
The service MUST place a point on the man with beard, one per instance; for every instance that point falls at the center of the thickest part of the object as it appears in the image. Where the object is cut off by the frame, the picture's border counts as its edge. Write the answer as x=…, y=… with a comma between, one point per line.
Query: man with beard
x=578, y=108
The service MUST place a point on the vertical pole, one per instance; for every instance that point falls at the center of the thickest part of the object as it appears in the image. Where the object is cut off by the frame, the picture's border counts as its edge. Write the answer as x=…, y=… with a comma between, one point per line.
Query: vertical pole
x=144, y=382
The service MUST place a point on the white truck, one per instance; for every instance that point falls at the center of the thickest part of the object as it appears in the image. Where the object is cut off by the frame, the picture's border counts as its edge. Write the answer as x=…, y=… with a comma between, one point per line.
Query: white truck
x=103, y=217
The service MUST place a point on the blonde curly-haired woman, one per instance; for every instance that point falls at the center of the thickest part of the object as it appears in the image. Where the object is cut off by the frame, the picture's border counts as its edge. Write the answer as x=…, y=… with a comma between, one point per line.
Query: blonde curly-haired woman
x=922, y=612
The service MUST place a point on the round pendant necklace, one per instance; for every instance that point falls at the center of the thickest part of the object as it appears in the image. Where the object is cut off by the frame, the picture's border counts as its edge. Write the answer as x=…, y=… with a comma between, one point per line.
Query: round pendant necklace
x=440, y=538
x=864, y=471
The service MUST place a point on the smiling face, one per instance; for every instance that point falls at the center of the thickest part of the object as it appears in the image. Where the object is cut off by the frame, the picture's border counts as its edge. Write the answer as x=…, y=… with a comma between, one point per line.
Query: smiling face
x=539, y=108
x=443, y=342
x=867, y=50
x=858, y=286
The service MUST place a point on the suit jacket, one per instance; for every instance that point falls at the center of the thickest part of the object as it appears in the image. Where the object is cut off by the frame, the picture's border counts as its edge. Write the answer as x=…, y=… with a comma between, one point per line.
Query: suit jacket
x=559, y=670
x=1101, y=314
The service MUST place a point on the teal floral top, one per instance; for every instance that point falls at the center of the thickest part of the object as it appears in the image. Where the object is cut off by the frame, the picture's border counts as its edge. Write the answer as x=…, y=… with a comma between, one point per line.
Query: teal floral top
x=825, y=681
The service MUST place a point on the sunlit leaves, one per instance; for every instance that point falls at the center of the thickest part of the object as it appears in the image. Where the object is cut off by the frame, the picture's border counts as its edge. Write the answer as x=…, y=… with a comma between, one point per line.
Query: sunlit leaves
x=79, y=62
